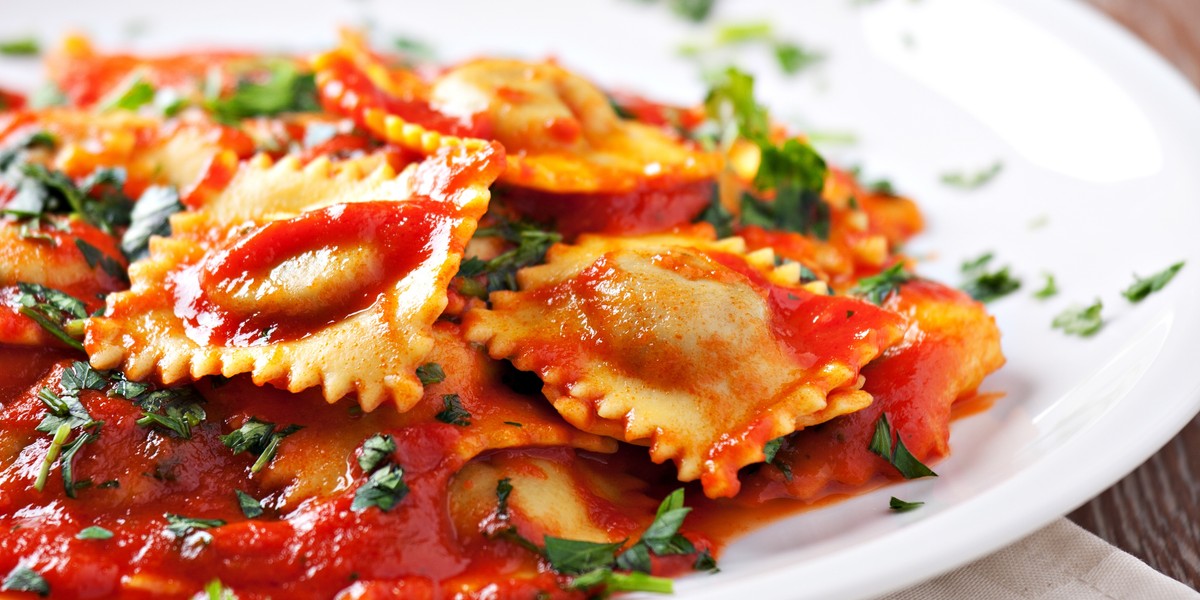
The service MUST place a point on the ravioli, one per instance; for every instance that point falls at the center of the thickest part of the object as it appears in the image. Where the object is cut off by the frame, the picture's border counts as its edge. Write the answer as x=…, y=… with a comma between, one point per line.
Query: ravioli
x=329, y=285
x=650, y=343
x=950, y=345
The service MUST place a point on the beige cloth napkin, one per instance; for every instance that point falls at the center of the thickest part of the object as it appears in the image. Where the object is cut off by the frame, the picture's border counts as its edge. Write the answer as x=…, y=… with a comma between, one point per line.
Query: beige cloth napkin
x=1061, y=562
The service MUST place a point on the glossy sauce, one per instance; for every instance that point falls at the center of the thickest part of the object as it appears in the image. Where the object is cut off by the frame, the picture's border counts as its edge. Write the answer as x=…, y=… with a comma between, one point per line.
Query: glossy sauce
x=396, y=237
x=659, y=206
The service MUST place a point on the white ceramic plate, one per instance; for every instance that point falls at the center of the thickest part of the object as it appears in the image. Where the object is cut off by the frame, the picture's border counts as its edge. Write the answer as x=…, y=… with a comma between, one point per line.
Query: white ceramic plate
x=1099, y=140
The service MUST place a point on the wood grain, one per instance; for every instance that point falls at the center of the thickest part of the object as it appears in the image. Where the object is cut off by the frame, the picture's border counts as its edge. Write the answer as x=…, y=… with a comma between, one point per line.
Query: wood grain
x=1154, y=513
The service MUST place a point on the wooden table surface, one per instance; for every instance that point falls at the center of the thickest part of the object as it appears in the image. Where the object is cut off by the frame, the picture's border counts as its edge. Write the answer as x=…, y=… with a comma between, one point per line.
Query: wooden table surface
x=1154, y=513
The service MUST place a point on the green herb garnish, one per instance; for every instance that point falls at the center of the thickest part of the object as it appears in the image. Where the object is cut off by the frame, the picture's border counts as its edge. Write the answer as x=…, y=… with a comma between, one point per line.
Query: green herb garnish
x=150, y=216
x=376, y=450
x=899, y=505
x=284, y=89
x=1144, y=287
x=453, y=411
x=28, y=46
x=897, y=454
x=1083, y=321
x=501, y=272
x=877, y=288
x=94, y=532
x=24, y=579
x=136, y=94
x=250, y=506
x=52, y=310
x=384, y=489
x=430, y=373
x=972, y=180
x=258, y=437
x=97, y=258
x=984, y=285
x=181, y=526
x=1049, y=290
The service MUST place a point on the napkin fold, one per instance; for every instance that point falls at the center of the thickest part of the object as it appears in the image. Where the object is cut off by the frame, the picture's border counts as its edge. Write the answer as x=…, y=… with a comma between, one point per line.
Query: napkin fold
x=1061, y=562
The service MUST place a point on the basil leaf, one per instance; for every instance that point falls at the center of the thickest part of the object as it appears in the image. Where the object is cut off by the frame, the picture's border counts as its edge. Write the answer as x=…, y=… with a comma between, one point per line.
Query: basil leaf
x=250, y=506
x=877, y=288
x=430, y=373
x=899, y=505
x=376, y=450
x=151, y=216
x=81, y=376
x=181, y=526
x=1144, y=287
x=94, y=532
x=972, y=180
x=1083, y=321
x=24, y=579
x=384, y=489
x=898, y=455
x=453, y=412
x=575, y=557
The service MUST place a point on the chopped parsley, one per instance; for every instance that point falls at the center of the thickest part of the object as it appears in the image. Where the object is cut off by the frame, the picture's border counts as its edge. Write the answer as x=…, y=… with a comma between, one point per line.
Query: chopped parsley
x=68, y=461
x=215, y=590
x=376, y=450
x=1144, y=287
x=96, y=257
x=150, y=216
x=877, y=288
x=717, y=215
x=899, y=505
x=24, y=579
x=790, y=56
x=575, y=557
x=1083, y=321
x=283, y=89
x=385, y=486
x=94, y=532
x=413, y=48
x=251, y=507
x=53, y=310
x=56, y=443
x=180, y=526
x=66, y=409
x=897, y=454
x=501, y=272
x=794, y=58
x=136, y=94
x=430, y=373
x=770, y=450
x=258, y=437
x=27, y=46
x=984, y=285
x=453, y=411
x=1049, y=289
x=972, y=180
x=696, y=11
x=384, y=489
x=177, y=410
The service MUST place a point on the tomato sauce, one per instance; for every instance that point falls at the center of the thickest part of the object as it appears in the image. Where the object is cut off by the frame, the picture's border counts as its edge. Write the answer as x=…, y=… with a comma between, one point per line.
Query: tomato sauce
x=656, y=207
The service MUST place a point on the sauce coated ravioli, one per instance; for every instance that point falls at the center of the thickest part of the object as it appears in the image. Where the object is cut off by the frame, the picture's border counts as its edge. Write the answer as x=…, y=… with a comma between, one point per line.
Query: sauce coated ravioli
x=343, y=326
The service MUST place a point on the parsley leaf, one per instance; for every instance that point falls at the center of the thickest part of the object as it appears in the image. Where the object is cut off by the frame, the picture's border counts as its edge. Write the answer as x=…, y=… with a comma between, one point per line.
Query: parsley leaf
x=177, y=410
x=63, y=410
x=1049, y=290
x=877, y=288
x=797, y=175
x=453, y=411
x=258, y=437
x=81, y=376
x=984, y=285
x=771, y=448
x=972, y=180
x=24, y=579
x=575, y=557
x=27, y=46
x=793, y=58
x=52, y=310
x=250, y=506
x=898, y=455
x=284, y=89
x=731, y=103
x=899, y=505
x=56, y=443
x=1144, y=287
x=696, y=11
x=1083, y=321
x=94, y=532
x=430, y=373
x=501, y=271
x=376, y=450
x=96, y=257
x=385, y=488
x=151, y=216
x=68, y=461
x=181, y=526
x=135, y=95
x=215, y=590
